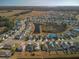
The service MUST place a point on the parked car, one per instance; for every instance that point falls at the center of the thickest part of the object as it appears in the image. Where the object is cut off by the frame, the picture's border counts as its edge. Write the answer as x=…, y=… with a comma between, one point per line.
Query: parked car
x=18, y=49
x=17, y=37
x=29, y=48
x=5, y=53
x=7, y=47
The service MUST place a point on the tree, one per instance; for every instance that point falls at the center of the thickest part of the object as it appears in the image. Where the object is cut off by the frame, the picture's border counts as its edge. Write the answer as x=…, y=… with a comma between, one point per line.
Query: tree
x=6, y=23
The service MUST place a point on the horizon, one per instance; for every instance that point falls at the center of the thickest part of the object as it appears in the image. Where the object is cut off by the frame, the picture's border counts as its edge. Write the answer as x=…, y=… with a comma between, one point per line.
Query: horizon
x=39, y=2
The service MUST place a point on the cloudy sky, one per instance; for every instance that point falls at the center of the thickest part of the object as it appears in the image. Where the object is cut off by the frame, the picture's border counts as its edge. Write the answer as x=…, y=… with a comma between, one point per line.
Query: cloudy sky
x=39, y=2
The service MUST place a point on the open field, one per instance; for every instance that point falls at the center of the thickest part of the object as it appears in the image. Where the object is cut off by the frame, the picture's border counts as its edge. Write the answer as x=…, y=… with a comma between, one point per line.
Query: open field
x=42, y=55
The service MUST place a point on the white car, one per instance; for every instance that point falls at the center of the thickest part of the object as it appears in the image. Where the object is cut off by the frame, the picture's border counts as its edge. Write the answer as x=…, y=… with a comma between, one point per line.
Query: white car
x=37, y=46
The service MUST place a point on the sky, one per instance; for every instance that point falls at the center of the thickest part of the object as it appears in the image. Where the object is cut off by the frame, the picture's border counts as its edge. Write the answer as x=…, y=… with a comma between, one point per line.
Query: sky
x=39, y=2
